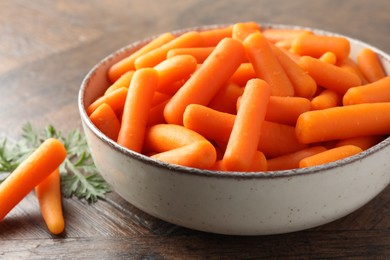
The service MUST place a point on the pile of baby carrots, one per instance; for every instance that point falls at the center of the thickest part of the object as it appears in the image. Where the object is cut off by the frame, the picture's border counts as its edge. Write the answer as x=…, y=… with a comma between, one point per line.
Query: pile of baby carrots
x=243, y=98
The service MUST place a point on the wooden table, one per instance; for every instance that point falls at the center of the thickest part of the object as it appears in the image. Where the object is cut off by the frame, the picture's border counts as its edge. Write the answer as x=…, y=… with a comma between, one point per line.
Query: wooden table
x=46, y=48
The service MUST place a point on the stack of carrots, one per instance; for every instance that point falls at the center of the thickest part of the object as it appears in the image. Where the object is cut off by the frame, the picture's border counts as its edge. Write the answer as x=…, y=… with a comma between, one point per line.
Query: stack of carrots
x=243, y=98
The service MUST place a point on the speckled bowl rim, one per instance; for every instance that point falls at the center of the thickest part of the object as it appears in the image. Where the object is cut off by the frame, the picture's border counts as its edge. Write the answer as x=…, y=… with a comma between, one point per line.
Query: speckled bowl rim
x=223, y=174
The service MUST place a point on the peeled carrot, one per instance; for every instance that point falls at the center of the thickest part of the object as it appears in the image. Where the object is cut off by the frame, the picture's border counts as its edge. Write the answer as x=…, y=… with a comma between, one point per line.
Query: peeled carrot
x=106, y=121
x=136, y=109
x=267, y=66
x=243, y=73
x=159, y=98
x=115, y=99
x=199, y=53
x=40, y=164
x=213, y=73
x=377, y=91
x=344, y=122
x=275, y=35
x=245, y=135
x=286, y=110
x=326, y=99
x=328, y=57
x=304, y=84
x=123, y=81
x=157, y=55
x=226, y=99
x=364, y=142
x=199, y=154
x=156, y=114
x=212, y=37
x=259, y=163
x=329, y=76
x=127, y=64
x=351, y=65
x=370, y=65
x=241, y=30
x=330, y=155
x=48, y=193
x=316, y=45
x=291, y=160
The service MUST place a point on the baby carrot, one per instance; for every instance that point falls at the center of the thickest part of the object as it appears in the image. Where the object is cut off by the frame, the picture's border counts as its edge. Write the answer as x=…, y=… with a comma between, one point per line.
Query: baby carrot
x=291, y=160
x=329, y=76
x=377, y=91
x=351, y=65
x=370, y=65
x=165, y=137
x=344, y=122
x=243, y=73
x=328, y=57
x=136, y=109
x=213, y=73
x=174, y=69
x=242, y=30
x=48, y=193
x=259, y=163
x=159, y=97
x=304, y=84
x=330, y=155
x=157, y=55
x=127, y=64
x=123, y=81
x=326, y=99
x=199, y=154
x=156, y=114
x=267, y=66
x=316, y=45
x=212, y=37
x=40, y=164
x=244, y=138
x=106, y=121
x=226, y=99
x=364, y=142
x=275, y=35
x=286, y=110
x=115, y=99
x=199, y=53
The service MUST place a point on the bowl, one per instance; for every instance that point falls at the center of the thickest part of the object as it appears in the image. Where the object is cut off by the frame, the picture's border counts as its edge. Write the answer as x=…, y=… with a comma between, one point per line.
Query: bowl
x=234, y=203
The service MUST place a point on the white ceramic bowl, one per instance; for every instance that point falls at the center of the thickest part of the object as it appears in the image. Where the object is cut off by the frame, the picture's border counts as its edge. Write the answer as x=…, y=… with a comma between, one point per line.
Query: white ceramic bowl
x=235, y=203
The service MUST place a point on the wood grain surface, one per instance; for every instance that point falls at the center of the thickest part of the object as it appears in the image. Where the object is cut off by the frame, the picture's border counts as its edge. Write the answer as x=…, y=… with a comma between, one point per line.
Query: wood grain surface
x=47, y=47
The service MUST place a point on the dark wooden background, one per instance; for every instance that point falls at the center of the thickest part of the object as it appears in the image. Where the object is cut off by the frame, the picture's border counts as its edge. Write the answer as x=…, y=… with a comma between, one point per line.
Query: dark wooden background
x=46, y=48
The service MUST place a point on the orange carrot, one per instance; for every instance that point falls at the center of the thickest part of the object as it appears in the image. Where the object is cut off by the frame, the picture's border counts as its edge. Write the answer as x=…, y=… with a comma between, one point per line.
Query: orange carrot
x=174, y=69
x=370, y=65
x=48, y=193
x=259, y=163
x=267, y=66
x=40, y=164
x=330, y=155
x=156, y=114
x=351, y=65
x=106, y=121
x=212, y=37
x=275, y=35
x=328, y=75
x=364, y=142
x=316, y=45
x=122, y=82
x=136, y=109
x=245, y=134
x=242, y=30
x=304, y=84
x=159, y=98
x=165, y=137
x=127, y=63
x=344, y=122
x=213, y=73
x=377, y=91
x=291, y=160
x=115, y=99
x=199, y=53
x=326, y=99
x=243, y=73
x=157, y=55
x=286, y=110
x=199, y=154
x=226, y=99
x=328, y=57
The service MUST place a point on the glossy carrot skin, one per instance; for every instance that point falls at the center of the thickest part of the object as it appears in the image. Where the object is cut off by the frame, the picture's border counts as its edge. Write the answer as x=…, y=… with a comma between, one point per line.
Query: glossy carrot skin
x=370, y=65
x=105, y=119
x=377, y=91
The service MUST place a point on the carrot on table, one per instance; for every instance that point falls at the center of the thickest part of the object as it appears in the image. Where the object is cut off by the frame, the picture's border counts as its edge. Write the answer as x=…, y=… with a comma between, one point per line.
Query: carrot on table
x=202, y=86
x=200, y=154
x=115, y=99
x=243, y=73
x=105, y=119
x=174, y=69
x=123, y=81
x=40, y=164
x=127, y=64
x=267, y=66
x=377, y=91
x=316, y=45
x=329, y=76
x=226, y=98
x=245, y=135
x=49, y=197
x=136, y=109
x=364, y=142
x=199, y=53
x=291, y=160
x=344, y=122
x=330, y=155
x=370, y=65
x=326, y=99
x=157, y=55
